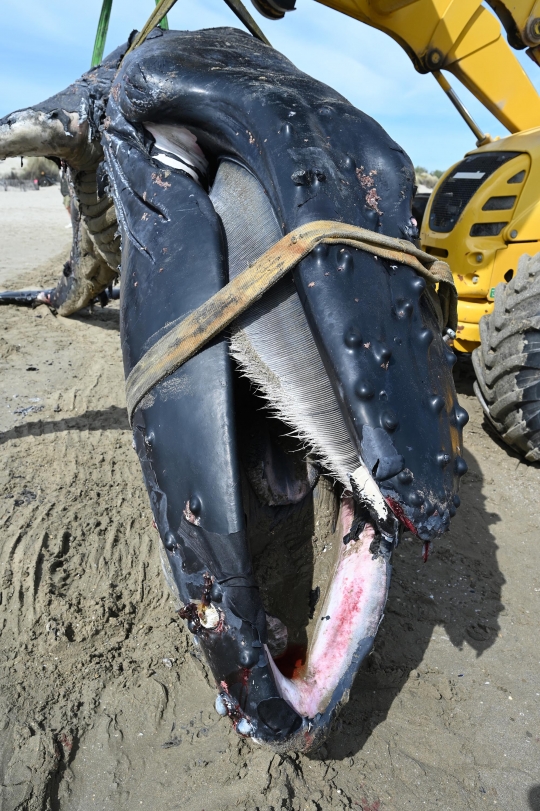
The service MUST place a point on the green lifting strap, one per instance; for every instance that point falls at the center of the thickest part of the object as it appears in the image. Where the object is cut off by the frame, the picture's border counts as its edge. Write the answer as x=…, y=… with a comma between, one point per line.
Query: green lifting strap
x=101, y=35
x=103, y=27
x=164, y=23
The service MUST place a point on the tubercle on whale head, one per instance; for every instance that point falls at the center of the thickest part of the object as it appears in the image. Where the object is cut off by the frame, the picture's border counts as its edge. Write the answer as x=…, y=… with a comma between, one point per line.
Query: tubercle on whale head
x=190, y=613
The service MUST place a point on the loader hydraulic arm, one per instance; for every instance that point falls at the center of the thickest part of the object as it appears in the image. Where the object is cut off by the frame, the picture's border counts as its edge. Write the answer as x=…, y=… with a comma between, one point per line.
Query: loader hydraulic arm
x=464, y=38
x=521, y=20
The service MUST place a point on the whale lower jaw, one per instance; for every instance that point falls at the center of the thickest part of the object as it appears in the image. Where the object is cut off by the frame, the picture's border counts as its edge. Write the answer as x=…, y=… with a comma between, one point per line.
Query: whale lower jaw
x=342, y=634
x=352, y=613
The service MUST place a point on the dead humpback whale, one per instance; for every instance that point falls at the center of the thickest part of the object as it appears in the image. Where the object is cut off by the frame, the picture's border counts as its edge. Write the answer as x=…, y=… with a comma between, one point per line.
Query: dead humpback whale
x=189, y=159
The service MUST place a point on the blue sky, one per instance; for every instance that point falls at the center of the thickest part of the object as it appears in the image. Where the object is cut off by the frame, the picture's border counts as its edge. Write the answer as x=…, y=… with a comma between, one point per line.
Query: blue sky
x=48, y=44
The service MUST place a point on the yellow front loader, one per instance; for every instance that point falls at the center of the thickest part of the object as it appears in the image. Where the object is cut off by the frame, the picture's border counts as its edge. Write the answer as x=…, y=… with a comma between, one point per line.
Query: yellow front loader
x=483, y=217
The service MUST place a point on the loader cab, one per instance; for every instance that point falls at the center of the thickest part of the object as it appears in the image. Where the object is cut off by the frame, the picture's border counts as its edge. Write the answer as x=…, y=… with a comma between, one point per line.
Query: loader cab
x=482, y=216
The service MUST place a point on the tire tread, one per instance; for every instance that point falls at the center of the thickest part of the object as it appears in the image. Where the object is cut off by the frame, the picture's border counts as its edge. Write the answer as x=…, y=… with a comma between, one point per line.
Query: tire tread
x=503, y=355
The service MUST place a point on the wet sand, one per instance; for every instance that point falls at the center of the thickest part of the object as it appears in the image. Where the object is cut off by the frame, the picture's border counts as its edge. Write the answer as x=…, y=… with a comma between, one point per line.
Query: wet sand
x=104, y=701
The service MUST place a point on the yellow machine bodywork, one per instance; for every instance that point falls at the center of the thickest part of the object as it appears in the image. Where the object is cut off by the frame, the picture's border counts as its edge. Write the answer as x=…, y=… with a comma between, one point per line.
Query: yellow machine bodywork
x=480, y=262
x=466, y=39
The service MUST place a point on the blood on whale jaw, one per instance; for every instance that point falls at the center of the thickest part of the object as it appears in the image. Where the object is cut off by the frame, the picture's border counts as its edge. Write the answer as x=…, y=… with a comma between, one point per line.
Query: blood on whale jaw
x=350, y=613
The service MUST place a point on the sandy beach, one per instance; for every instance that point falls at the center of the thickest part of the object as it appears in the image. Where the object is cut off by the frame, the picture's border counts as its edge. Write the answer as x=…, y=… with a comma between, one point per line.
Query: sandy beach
x=23, y=246
x=104, y=701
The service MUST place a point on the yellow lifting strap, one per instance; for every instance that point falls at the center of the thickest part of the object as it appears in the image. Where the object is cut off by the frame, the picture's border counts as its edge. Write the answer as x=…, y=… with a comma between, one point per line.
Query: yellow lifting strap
x=188, y=337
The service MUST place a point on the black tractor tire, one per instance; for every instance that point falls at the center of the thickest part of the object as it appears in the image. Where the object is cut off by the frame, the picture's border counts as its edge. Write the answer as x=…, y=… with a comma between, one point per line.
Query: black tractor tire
x=507, y=362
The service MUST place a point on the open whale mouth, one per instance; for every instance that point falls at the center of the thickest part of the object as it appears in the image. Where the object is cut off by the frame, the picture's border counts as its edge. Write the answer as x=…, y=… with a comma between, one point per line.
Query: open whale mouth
x=319, y=555
x=312, y=679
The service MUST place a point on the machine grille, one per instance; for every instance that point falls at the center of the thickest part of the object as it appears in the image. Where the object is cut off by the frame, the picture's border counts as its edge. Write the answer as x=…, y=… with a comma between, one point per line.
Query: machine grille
x=460, y=186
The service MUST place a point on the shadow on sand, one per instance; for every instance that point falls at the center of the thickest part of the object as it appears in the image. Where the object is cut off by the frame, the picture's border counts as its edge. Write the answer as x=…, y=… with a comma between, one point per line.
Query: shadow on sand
x=113, y=418
x=534, y=798
x=103, y=317
x=459, y=590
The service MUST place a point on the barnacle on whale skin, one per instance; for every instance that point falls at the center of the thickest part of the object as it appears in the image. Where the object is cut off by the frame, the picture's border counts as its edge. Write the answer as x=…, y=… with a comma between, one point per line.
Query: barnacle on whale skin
x=284, y=459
